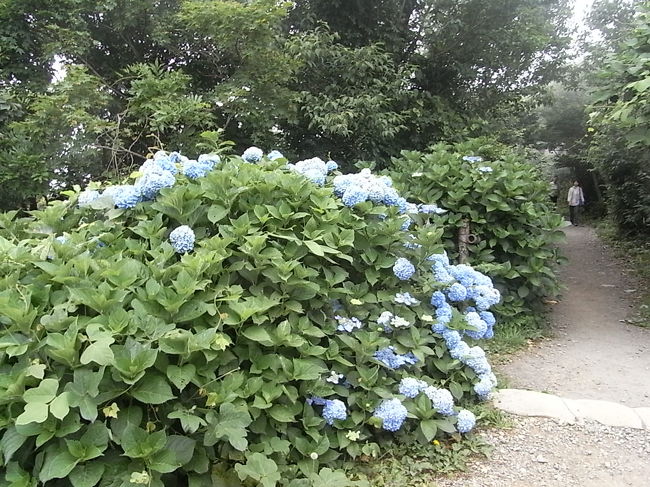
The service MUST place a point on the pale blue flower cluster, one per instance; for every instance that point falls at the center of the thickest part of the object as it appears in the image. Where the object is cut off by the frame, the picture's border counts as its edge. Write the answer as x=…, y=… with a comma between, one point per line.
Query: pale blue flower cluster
x=473, y=158
x=365, y=186
x=274, y=155
x=314, y=169
x=392, y=413
x=182, y=239
x=87, y=197
x=403, y=269
x=483, y=388
x=463, y=284
x=253, y=155
x=411, y=387
x=392, y=360
x=334, y=409
x=348, y=324
x=428, y=209
x=158, y=173
x=485, y=169
x=441, y=400
x=406, y=298
x=465, y=421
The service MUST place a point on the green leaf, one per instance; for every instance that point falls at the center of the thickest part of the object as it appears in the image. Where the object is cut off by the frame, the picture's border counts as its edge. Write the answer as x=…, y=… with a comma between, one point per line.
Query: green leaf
x=282, y=414
x=258, y=334
x=259, y=468
x=429, y=429
x=57, y=466
x=10, y=443
x=231, y=424
x=44, y=393
x=34, y=412
x=87, y=475
x=305, y=369
x=99, y=352
x=60, y=406
x=181, y=376
x=152, y=389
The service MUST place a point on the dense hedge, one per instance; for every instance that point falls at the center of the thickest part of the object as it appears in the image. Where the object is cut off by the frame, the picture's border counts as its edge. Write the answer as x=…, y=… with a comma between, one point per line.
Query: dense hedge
x=228, y=323
x=506, y=202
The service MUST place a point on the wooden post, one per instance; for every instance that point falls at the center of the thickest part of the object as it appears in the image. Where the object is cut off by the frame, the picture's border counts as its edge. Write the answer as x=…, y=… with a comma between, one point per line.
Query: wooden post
x=463, y=237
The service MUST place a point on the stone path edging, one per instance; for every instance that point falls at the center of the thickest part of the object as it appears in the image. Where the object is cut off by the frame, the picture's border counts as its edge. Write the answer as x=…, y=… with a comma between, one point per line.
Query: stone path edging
x=530, y=403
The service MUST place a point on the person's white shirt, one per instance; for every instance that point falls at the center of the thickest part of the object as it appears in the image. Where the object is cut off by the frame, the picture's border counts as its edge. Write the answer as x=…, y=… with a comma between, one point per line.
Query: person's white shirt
x=575, y=196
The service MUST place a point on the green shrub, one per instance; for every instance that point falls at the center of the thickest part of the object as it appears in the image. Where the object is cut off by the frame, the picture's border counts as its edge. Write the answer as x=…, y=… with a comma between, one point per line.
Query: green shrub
x=507, y=205
x=123, y=361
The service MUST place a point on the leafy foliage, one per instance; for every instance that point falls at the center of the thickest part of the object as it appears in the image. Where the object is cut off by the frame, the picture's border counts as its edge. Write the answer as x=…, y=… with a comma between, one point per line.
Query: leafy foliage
x=620, y=119
x=506, y=204
x=123, y=361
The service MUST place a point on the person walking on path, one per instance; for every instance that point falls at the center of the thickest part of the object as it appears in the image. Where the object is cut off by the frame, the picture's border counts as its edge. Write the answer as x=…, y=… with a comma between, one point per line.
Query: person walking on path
x=575, y=198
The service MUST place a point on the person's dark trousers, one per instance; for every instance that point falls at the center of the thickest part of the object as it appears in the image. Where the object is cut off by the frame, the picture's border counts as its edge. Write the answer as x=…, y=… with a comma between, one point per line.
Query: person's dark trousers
x=573, y=214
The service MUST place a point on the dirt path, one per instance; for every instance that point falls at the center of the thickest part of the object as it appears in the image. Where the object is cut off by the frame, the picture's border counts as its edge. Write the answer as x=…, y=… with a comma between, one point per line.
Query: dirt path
x=593, y=355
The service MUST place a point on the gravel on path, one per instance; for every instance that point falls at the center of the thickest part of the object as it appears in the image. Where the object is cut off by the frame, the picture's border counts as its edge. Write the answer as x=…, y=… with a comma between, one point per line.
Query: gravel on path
x=540, y=452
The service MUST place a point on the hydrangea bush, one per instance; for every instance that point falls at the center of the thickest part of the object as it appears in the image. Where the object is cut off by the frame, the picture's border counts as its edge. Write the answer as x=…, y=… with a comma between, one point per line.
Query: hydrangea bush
x=506, y=201
x=238, y=322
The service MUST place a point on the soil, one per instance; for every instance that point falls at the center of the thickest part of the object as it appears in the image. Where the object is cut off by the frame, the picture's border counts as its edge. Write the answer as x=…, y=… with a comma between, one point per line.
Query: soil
x=594, y=354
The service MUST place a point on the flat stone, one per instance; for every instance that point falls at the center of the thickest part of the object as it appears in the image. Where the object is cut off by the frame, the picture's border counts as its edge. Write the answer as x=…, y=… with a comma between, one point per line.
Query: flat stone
x=531, y=403
x=605, y=412
x=644, y=414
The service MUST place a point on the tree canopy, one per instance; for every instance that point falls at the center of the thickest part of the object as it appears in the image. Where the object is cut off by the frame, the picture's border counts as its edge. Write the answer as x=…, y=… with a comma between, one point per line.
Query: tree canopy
x=354, y=80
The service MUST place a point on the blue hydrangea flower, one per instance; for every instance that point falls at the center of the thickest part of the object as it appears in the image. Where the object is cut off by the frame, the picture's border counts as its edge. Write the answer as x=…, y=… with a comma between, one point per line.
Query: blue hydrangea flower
x=457, y=292
x=459, y=351
x=87, y=197
x=376, y=192
x=315, y=176
x=392, y=412
x=407, y=224
x=441, y=273
x=354, y=195
x=175, y=157
x=253, y=155
x=438, y=299
x=483, y=388
x=428, y=209
x=488, y=317
x=274, y=155
x=444, y=314
x=476, y=360
x=406, y=298
x=348, y=324
x=151, y=183
x=411, y=387
x=452, y=338
x=485, y=169
x=209, y=161
x=441, y=400
x=466, y=421
x=384, y=320
x=331, y=166
x=182, y=239
x=61, y=239
x=479, y=327
x=391, y=196
x=473, y=158
x=403, y=269
x=390, y=359
x=442, y=259
x=485, y=297
x=194, y=169
x=124, y=197
x=334, y=409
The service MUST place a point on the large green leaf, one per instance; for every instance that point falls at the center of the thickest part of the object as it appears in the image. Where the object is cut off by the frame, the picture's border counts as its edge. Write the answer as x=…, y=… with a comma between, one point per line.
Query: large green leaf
x=152, y=389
